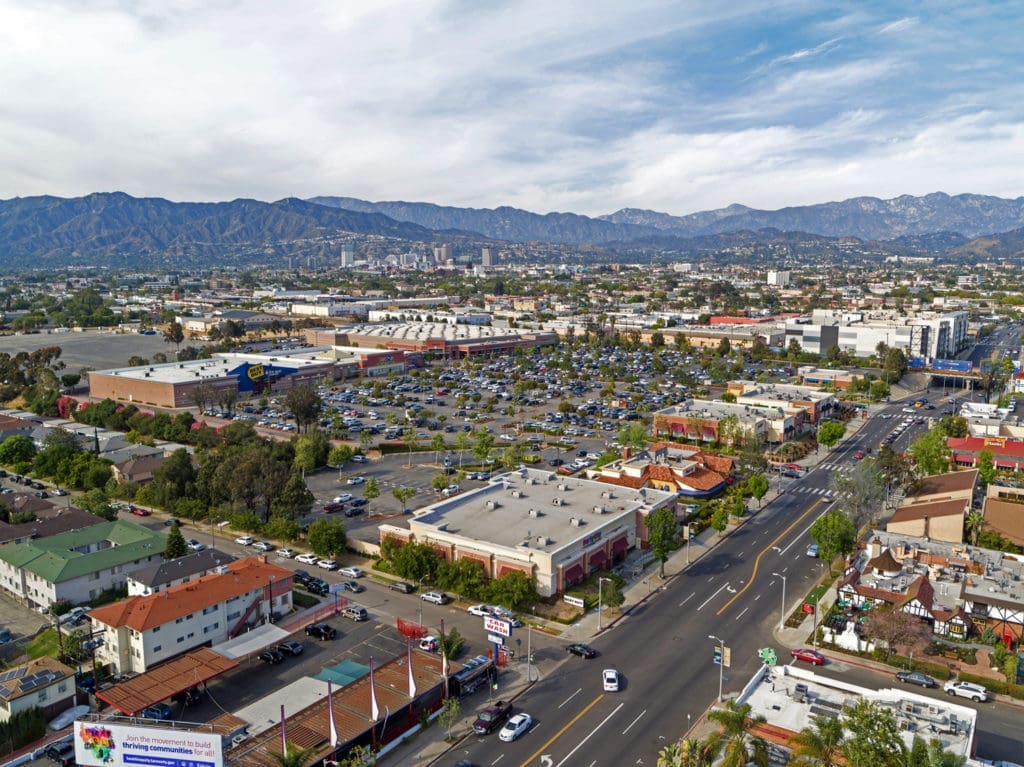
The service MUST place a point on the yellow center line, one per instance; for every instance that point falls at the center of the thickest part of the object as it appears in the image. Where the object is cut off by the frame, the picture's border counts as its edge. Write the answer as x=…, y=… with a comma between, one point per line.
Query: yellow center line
x=764, y=551
x=561, y=732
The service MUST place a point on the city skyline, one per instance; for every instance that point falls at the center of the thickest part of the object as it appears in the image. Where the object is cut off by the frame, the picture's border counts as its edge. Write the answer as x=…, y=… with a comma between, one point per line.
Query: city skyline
x=578, y=107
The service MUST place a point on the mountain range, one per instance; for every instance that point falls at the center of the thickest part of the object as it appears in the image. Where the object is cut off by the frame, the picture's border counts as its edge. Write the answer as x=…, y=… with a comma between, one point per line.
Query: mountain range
x=118, y=230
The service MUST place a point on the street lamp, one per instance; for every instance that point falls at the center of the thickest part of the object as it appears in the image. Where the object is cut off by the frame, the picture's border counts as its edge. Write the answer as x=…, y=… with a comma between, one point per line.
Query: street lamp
x=782, y=613
x=721, y=664
x=600, y=581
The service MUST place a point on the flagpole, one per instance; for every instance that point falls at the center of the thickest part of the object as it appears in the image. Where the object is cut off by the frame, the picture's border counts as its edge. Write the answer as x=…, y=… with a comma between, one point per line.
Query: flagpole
x=332, y=728
x=284, y=734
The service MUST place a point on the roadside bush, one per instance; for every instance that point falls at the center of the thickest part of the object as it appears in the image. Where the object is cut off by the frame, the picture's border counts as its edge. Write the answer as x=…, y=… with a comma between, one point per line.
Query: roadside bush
x=994, y=685
x=303, y=600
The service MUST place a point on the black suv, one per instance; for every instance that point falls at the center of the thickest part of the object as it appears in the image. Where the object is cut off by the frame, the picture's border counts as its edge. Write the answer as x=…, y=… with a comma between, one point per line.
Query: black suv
x=321, y=631
x=492, y=717
x=303, y=577
x=317, y=586
x=271, y=656
x=61, y=753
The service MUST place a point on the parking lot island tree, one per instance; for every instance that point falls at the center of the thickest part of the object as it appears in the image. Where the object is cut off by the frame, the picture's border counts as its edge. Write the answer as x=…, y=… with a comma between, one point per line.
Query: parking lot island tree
x=304, y=404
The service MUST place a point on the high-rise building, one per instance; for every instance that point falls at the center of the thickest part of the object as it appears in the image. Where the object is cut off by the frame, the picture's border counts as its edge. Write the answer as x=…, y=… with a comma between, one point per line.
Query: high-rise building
x=486, y=259
x=348, y=257
x=778, y=279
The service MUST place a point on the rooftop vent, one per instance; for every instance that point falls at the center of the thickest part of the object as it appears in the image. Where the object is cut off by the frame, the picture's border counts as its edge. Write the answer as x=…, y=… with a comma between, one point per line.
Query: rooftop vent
x=599, y=509
x=517, y=493
x=491, y=505
x=608, y=494
x=543, y=540
x=535, y=513
x=557, y=502
x=575, y=521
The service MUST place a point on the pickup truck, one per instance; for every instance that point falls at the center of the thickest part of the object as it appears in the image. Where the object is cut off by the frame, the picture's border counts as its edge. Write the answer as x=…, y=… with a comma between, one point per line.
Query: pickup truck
x=492, y=717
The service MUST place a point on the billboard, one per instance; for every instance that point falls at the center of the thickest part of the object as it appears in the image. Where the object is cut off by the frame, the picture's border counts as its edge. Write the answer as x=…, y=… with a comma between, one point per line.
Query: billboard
x=105, y=744
x=497, y=626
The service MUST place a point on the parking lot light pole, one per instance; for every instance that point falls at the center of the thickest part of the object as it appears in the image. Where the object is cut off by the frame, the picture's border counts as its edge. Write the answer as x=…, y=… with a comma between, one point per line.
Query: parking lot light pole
x=782, y=613
x=600, y=581
x=721, y=665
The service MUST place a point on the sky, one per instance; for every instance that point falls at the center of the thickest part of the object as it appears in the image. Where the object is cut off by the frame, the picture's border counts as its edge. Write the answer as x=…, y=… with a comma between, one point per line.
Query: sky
x=553, y=105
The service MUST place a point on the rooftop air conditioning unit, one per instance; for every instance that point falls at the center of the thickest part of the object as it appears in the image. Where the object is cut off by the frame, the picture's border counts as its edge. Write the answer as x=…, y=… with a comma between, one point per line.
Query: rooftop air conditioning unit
x=599, y=509
x=534, y=513
x=575, y=521
x=517, y=494
x=491, y=505
x=543, y=540
x=556, y=501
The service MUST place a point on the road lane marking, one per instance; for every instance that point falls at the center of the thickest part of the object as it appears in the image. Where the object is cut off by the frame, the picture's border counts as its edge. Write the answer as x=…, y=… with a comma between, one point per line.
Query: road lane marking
x=797, y=538
x=741, y=614
x=592, y=733
x=498, y=759
x=688, y=599
x=765, y=550
x=711, y=597
x=571, y=697
x=634, y=721
x=757, y=597
x=533, y=757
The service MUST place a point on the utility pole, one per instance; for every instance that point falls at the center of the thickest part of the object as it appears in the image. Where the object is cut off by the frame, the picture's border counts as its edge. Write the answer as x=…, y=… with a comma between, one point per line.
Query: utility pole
x=782, y=612
x=721, y=664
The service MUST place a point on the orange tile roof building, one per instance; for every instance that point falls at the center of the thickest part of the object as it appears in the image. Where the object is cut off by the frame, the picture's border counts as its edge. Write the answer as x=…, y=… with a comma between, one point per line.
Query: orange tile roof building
x=141, y=631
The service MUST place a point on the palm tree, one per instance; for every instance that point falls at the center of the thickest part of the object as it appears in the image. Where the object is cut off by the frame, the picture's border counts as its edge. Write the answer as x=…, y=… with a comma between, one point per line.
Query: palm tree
x=738, y=748
x=293, y=756
x=821, y=743
x=691, y=752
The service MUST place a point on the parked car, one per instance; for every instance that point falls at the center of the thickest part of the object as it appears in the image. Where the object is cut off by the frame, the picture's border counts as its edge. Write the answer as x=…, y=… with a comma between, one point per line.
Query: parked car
x=62, y=753
x=157, y=711
x=327, y=564
x=813, y=657
x=355, y=480
x=479, y=610
x=72, y=616
x=263, y=546
x=321, y=631
x=303, y=577
x=353, y=511
x=139, y=512
x=271, y=656
x=582, y=650
x=319, y=587
x=429, y=643
x=286, y=553
x=610, y=680
x=915, y=677
x=332, y=507
x=355, y=612
x=359, y=458
x=812, y=550
x=307, y=559
x=245, y=540
x=974, y=692
x=354, y=586
x=437, y=597
x=402, y=586
x=195, y=545
x=292, y=648
x=492, y=717
x=343, y=498
x=515, y=727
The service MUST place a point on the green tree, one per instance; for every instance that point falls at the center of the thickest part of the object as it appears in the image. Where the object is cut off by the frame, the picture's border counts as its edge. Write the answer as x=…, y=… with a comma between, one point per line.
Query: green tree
x=403, y=494
x=450, y=642
x=462, y=444
x=738, y=747
x=304, y=404
x=17, y=449
x=513, y=589
x=757, y=486
x=861, y=490
x=634, y=436
x=327, y=537
x=986, y=468
x=483, y=444
x=465, y=577
x=371, y=490
x=661, y=526
x=339, y=454
x=293, y=756
x=58, y=445
x=293, y=499
x=873, y=736
x=282, y=529
x=449, y=714
x=96, y=502
x=835, y=534
x=174, y=334
x=439, y=482
x=176, y=546
x=830, y=432
x=415, y=561
x=437, y=444
x=930, y=452
x=820, y=743
x=411, y=441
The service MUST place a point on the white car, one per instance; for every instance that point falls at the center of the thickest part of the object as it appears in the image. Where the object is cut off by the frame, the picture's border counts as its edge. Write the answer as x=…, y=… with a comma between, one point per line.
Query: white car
x=351, y=572
x=359, y=458
x=610, y=680
x=343, y=498
x=429, y=643
x=245, y=540
x=263, y=546
x=355, y=480
x=307, y=559
x=515, y=727
x=327, y=564
x=449, y=491
x=286, y=553
x=974, y=692
x=479, y=610
x=194, y=545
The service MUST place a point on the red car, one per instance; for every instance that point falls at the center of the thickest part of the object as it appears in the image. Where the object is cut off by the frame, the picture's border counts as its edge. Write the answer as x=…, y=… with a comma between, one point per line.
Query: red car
x=859, y=454
x=813, y=657
x=139, y=512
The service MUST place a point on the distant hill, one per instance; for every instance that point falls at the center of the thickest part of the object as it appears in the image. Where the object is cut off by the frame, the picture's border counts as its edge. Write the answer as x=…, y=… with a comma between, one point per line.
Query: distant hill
x=115, y=229
x=1005, y=245
x=868, y=218
x=502, y=223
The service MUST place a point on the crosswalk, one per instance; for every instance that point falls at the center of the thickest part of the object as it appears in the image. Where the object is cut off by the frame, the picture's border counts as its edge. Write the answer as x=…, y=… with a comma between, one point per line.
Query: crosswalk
x=807, y=490
x=843, y=466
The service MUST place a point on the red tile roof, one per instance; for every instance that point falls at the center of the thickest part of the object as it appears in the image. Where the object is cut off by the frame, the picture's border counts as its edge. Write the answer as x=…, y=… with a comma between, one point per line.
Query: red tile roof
x=142, y=613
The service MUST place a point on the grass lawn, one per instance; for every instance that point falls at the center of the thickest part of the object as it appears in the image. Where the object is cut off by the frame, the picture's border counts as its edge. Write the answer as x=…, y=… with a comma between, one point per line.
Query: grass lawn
x=44, y=644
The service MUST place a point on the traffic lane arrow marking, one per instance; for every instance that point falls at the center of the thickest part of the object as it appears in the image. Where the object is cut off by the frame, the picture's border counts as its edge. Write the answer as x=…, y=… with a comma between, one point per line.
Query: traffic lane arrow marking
x=545, y=760
x=562, y=731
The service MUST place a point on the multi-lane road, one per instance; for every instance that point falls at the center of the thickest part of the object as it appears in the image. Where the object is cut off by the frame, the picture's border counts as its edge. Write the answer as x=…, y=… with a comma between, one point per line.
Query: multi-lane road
x=664, y=651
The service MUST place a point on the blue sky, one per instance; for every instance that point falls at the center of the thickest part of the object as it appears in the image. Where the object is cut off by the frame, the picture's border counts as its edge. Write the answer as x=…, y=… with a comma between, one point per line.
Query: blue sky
x=582, y=106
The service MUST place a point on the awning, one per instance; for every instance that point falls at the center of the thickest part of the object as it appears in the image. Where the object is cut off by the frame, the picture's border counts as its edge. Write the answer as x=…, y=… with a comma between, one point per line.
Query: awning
x=598, y=558
x=620, y=544
x=574, y=573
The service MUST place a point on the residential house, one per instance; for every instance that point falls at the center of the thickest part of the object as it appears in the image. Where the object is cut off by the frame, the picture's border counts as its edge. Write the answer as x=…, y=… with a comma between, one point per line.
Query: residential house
x=137, y=469
x=937, y=509
x=44, y=682
x=682, y=469
x=163, y=575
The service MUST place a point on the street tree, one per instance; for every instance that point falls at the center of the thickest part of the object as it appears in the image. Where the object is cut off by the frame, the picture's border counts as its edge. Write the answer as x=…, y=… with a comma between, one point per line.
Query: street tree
x=861, y=490
x=757, y=486
x=835, y=534
x=830, y=432
x=175, y=546
x=661, y=526
x=986, y=468
x=720, y=519
x=513, y=589
x=339, y=454
x=411, y=441
x=437, y=444
x=327, y=537
x=931, y=453
x=294, y=499
x=483, y=444
x=17, y=449
x=403, y=494
x=449, y=714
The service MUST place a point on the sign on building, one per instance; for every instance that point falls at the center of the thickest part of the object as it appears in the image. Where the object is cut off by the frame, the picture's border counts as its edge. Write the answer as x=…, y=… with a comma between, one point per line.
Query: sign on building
x=102, y=744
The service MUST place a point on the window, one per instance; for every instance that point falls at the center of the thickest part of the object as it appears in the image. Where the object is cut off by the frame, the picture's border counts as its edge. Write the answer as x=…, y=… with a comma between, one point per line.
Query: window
x=179, y=620
x=190, y=635
x=213, y=627
x=181, y=639
x=210, y=609
x=62, y=687
x=235, y=616
x=158, y=648
x=156, y=629
x=42, y=695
